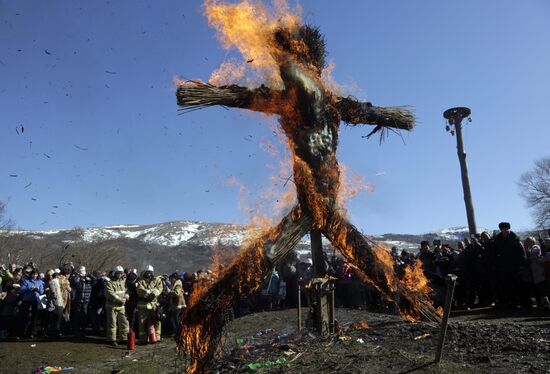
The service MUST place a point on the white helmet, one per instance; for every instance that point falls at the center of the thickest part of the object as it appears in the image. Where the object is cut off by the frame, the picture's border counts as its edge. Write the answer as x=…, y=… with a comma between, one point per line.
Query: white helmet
x=82, y=270
x=148, y=268
x=118, y=269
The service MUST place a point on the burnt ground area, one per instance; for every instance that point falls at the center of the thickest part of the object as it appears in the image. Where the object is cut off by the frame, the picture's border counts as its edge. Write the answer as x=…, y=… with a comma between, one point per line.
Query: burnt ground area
x=478, y=341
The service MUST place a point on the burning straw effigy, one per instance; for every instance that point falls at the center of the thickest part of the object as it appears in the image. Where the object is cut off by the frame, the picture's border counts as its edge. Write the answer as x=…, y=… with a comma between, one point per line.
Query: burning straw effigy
x=310, y=116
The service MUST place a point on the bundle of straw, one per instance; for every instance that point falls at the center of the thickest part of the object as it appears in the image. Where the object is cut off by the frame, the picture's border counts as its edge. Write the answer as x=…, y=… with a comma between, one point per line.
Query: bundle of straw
x=354, y=112
x=193, y=95
x=394, y=117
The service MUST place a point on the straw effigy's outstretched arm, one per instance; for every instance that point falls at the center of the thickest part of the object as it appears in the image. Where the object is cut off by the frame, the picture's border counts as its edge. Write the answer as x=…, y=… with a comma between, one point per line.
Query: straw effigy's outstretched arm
x=355, y=112
x=194, y=94
x=375, y=263
x=204, y=319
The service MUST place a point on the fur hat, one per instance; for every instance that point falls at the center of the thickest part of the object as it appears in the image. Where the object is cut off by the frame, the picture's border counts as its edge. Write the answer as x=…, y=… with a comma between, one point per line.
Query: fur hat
x=535, y=250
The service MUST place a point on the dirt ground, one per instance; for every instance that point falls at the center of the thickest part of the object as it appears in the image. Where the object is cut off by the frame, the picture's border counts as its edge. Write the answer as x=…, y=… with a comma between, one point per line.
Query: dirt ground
x=478, y=341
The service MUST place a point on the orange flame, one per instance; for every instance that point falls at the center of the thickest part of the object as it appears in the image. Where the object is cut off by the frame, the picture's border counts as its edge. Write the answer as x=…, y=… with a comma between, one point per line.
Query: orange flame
x=229, y=72
x=249, y=27
x=351, y=185
x=244, y=275
x=321, y=192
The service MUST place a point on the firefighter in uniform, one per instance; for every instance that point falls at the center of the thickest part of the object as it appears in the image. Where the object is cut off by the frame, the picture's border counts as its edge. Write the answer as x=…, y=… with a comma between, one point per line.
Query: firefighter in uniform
x=116, y=295
x=148, y=288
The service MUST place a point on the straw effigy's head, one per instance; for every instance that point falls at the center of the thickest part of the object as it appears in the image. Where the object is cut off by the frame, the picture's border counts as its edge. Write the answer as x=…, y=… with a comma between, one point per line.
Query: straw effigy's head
x=305, y=43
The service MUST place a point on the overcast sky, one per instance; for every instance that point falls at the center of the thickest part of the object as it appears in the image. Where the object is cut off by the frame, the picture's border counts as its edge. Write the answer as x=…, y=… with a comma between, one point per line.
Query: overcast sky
x=90, y=133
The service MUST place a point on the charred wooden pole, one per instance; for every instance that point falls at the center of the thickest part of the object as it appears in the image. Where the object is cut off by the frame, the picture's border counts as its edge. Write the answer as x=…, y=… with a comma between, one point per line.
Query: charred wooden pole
x=454, y=116
x=319, y=269
x=332, y=314
x=299, y=308
x=321, y=302
x=451, y=282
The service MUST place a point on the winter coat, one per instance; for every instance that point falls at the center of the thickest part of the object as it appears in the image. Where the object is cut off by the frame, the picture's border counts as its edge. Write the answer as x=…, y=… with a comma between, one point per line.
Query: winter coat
x=82, y=289
x=148, y=291
x=442, y=264
x=8, y=304
x=116, y=294
x=176, y=299
x=469, y=261
x=97, y=299
x=27, y=289
x=427, y=259
x=536, y=265
x=488, y=257
x=59, y=293
x=510, y=257
x=547, y=266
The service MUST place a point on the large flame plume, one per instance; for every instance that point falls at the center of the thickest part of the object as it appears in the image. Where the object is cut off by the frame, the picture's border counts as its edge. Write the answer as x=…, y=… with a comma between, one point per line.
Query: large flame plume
x=249, y=27
x=290, y=59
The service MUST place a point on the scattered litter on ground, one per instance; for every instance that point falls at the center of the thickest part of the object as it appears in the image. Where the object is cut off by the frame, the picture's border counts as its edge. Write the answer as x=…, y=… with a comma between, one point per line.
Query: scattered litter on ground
x=257, y=365
x=359, y=326
x=423, y=336
x=290, y=352
x=264, y=332
x=47, y=369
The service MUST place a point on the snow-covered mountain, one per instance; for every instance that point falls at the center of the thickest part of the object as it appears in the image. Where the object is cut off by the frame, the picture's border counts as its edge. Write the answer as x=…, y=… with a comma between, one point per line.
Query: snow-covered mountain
x=170, y=234
x=177, y=244
x=411, y=242
x=195, y=233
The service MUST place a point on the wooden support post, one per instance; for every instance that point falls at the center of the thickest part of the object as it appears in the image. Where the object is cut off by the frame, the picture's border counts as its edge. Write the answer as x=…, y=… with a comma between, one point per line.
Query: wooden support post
x=299, y=309
x=331, y=314
x=317, y=256
x=451, y=281
x=318, y=290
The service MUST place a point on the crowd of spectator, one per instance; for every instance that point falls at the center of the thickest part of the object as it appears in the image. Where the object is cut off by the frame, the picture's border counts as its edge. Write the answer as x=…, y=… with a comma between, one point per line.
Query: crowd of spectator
x=492, y=271
x=498, y=270
x=72, y=302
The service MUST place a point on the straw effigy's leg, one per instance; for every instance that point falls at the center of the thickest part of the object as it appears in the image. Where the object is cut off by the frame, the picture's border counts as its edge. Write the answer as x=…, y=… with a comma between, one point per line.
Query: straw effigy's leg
x=204, y=320
x=377, y=266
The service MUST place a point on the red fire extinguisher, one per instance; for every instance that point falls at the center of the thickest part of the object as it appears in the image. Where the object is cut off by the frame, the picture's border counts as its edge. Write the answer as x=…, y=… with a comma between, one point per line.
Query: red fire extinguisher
x=131, y=338
x=131, y=341
x=152, y=335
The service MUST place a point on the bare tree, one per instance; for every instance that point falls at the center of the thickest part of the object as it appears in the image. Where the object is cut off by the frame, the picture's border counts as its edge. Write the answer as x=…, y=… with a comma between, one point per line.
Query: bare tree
x=102, y=255
x=535, y=187
x=6, y=226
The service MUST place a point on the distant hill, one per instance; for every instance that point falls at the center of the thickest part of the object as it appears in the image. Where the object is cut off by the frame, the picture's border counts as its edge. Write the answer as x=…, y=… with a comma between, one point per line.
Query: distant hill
x=177, y=245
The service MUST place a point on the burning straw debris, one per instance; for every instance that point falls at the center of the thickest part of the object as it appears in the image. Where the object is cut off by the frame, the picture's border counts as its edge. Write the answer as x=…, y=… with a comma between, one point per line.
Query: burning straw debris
x=291, y=58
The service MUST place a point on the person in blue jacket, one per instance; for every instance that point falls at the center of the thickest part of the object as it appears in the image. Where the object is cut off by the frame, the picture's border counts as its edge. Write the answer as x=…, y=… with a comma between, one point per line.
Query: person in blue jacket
x=31, y=289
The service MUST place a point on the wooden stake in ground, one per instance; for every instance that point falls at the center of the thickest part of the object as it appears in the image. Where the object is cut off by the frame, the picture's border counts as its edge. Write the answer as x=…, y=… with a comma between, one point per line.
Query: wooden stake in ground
x=310, y=116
